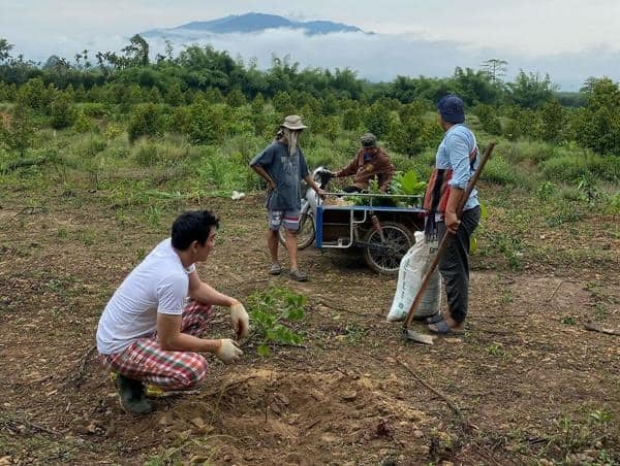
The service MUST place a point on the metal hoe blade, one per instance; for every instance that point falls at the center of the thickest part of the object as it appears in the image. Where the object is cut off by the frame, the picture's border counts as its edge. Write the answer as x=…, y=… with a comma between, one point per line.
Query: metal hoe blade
x=410, y=335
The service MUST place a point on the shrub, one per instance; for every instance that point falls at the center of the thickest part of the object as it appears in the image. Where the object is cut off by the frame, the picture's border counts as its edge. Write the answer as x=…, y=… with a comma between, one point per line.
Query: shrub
x=572, y=168
x=498, y=171
x=84, y=124
x=146, y=154
x=95, y=110
x=63, y=112
x=567, y=168
x=206, y=124
x=612, y=206
x=488, y=119
x=145, y=120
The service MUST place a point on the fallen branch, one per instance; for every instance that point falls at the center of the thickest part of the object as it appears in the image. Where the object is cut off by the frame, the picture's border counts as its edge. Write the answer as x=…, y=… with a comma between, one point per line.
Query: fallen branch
x=598, y=328
x=555, y=291
x=455, y=409
x=42, y=379
x=19, y=426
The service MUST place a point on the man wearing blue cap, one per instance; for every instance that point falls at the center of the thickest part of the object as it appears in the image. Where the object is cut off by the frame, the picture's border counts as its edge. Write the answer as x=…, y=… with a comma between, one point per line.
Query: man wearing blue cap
x=455, y=162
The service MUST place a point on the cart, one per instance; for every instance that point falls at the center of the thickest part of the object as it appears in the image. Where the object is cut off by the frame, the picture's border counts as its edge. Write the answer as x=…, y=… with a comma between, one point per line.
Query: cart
x=384, y=233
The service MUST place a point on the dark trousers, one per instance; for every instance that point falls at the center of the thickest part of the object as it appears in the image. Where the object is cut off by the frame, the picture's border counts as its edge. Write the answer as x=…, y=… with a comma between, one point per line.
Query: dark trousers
x=454, y=264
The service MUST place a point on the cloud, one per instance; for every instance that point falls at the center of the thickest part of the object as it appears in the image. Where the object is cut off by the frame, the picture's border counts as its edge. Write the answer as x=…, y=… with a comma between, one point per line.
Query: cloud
x=378, y=57
x=383, y=57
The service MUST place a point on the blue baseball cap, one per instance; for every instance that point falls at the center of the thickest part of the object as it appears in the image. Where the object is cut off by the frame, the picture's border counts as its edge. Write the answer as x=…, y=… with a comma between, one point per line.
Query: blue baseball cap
x=451, y=109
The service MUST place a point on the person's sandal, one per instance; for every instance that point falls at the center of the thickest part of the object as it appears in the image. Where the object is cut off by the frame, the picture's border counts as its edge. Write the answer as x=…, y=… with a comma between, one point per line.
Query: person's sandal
x=442, y=328
x=299, y=276
x=434, y=319
x=275, y=269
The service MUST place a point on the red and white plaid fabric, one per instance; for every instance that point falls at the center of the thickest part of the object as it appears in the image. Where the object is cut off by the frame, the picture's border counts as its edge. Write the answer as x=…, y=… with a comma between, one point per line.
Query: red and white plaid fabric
x=171, y=370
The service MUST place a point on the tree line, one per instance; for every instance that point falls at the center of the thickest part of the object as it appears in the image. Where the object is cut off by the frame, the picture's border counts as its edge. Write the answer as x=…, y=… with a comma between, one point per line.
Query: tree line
x=185, y=93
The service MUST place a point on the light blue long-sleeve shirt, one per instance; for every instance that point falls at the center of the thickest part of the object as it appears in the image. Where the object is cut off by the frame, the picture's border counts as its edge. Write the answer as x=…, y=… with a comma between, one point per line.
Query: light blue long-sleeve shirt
x=453, y=153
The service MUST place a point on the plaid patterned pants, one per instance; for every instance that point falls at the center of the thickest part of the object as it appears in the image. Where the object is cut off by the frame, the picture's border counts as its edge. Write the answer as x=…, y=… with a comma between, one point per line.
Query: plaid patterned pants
x=144, y=360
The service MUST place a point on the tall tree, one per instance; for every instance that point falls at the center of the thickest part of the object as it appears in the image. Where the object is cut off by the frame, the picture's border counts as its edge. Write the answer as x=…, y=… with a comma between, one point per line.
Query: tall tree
x=530, y=90
x=495, y=69
x=5, y=49
x=137, y=51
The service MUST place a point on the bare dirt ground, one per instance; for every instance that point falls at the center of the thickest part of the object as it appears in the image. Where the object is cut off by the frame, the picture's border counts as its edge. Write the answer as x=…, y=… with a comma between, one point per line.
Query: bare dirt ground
x=527, y=384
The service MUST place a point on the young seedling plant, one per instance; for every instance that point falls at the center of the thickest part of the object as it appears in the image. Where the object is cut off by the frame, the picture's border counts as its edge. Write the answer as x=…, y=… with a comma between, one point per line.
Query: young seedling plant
x=271, y=310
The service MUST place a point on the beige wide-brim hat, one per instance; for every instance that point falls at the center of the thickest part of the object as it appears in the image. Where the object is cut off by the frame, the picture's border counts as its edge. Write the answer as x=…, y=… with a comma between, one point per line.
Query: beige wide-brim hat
x=293, y=122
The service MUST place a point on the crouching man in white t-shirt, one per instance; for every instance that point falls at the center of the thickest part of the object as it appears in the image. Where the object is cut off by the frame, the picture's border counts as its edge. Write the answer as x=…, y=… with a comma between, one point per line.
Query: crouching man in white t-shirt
x=149, y=333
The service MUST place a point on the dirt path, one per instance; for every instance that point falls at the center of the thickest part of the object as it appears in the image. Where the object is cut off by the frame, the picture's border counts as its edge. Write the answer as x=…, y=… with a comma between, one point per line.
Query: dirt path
x=528, y=379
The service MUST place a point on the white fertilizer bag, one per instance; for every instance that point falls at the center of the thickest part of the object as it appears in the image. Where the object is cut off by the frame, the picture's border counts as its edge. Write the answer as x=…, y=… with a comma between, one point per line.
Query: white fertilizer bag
x=413, y=267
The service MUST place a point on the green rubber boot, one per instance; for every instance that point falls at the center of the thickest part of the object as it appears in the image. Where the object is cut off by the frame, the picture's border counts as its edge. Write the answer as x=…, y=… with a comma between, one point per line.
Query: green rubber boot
x=132, y=397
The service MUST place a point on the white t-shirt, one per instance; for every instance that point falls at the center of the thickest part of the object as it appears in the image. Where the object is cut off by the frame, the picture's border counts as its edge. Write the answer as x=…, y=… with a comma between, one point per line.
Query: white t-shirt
x=158, y=284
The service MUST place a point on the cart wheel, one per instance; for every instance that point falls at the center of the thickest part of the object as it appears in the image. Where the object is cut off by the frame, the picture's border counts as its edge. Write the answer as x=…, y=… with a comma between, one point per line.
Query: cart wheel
x=385, y=258
x=305, y=235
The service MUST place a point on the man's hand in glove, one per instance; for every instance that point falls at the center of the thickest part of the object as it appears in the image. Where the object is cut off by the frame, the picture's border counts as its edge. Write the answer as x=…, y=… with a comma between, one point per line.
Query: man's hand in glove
x=228, y=352
x=240, y=319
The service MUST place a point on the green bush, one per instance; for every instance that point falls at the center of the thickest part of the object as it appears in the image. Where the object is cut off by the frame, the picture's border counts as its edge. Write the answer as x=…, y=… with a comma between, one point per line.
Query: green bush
x=606, y=167
x=546, y=190
x=571, y=168
x=525, y=151
x=499, y=171
x=146, y=120
x=571, y=193
x=118, y=148
x=612, y=206
x=84, y=124
x=207, y=124
x=95, y=110
x=567, y=168
x=146, y=154
x=324, y=157
x=489, y=121
x=63, y=112
x=167, y=153
x=220, y=172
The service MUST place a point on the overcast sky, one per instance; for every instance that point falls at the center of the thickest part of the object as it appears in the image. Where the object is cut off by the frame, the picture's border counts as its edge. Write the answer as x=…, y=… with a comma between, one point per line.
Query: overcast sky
x=569, y=39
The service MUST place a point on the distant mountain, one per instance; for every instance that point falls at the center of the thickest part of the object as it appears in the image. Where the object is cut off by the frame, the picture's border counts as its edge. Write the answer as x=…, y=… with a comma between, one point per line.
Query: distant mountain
x=251, y=23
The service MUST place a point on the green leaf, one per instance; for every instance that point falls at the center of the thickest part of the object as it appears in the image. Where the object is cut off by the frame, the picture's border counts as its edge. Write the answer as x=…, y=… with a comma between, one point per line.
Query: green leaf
x=408, y=183
x=263, y=350
x=473, y=244
x=484, y=214
x=295, y=314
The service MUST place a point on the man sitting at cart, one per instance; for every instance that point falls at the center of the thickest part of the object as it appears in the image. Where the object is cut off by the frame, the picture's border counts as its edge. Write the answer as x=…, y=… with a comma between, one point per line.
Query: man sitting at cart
x=369, y=163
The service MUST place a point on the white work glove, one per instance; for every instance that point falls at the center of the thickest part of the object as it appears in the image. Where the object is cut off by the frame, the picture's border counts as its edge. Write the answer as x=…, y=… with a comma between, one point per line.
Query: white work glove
x=228, y=352
x=240, y=319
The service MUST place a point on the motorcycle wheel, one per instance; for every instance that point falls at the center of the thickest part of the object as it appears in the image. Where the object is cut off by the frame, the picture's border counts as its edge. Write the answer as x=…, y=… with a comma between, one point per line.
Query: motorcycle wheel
x=385, y=257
